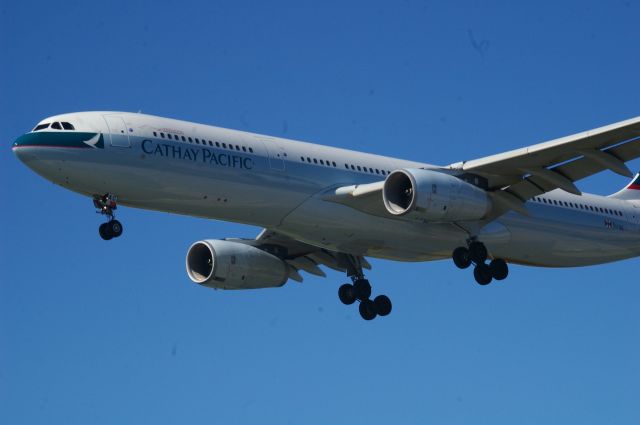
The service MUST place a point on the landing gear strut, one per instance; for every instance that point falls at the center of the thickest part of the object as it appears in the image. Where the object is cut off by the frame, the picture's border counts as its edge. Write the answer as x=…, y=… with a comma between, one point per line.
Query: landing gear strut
x=360, y=290
x=476, y=253
x=105, y=205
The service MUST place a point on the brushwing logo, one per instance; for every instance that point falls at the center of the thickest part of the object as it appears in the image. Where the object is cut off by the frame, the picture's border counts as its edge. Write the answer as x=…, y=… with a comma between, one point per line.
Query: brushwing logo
x=96, y=142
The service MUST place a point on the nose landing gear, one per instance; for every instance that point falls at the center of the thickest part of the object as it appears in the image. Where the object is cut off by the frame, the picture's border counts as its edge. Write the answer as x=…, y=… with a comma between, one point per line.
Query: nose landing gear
x=105, y=205
x=476, y=253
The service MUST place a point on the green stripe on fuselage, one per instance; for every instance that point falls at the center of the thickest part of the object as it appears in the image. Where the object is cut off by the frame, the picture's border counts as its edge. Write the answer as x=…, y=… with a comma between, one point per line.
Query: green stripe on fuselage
x=61, y=139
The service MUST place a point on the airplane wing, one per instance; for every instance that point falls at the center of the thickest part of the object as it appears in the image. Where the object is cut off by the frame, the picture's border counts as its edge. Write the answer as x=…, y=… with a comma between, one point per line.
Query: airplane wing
x=514, y=177
x=521, y=174
x=304, y=257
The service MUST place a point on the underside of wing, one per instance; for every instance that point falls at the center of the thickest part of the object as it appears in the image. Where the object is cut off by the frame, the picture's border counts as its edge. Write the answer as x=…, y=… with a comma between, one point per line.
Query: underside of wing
x=301, y=256
x=521, y=174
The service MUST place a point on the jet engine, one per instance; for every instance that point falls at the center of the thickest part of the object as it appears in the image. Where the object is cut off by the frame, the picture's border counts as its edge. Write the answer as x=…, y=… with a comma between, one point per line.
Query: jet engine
x=433, y=196
x=224, y=264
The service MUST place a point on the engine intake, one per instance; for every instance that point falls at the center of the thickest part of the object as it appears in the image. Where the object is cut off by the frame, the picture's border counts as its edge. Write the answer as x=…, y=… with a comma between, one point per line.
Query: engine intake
x=233, y=265
x=433, y=196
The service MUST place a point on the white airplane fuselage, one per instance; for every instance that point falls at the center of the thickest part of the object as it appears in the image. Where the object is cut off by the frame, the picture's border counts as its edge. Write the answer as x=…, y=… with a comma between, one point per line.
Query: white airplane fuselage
x=155, y=163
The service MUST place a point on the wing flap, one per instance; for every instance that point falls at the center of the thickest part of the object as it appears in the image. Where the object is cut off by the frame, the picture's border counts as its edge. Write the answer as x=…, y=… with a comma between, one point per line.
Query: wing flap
x=523, y=173
x=574, y=170
x=301, y=256
x=510, y=167
x=306, y=264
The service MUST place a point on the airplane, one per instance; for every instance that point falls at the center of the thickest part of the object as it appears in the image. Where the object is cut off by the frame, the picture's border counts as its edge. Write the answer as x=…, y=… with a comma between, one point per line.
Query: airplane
x=331, y=207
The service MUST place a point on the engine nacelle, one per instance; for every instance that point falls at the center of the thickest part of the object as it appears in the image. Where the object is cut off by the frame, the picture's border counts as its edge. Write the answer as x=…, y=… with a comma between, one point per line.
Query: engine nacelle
x=433, y=196
x=232, y=265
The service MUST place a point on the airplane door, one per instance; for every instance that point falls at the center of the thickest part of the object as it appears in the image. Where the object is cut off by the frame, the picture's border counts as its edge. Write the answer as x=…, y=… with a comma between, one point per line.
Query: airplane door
x=276, y=154
x=117, y=131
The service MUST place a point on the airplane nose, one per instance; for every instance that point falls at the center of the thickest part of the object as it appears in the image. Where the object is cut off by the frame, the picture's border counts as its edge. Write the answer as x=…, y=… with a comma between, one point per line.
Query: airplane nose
x=19, y=142
x=51, y=153
x=23, y=149
x=51, y=144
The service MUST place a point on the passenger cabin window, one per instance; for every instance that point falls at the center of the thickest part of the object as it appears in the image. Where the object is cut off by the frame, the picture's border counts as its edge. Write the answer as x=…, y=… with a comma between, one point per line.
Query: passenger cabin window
x=41, y=126
x=56, y=125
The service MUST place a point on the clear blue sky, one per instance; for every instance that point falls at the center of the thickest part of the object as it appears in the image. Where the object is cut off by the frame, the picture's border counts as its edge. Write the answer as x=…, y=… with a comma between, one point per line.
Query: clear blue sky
x=103, y=333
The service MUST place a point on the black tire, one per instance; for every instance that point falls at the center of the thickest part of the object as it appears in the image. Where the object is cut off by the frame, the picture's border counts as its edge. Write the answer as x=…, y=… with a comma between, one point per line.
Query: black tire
x=499, y=269
x=367, y=310
x=477, y=252
x=383, y=305
x=461, y=257
x=482, y=273
x=105, y=232
x=362, y=289
x=347, y=294
x=115, y=227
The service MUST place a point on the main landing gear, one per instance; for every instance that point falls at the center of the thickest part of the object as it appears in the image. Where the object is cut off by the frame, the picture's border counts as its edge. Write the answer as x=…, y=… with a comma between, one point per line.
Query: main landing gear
x=105, y=205
x=476, y=253
x=360, y=290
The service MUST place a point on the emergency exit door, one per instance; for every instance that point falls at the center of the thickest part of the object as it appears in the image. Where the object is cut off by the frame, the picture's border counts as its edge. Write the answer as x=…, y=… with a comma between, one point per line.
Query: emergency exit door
x=276, y=153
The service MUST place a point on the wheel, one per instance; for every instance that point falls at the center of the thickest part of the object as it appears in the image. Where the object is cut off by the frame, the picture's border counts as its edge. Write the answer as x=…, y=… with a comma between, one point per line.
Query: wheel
x=362, y=289
x=461, y=257
x=347, y=294
x=105, y=232
x=477, y=252
x=383, y=305
x=115, y=227
x=482, y=273
x=367, y=310
x=499, y=269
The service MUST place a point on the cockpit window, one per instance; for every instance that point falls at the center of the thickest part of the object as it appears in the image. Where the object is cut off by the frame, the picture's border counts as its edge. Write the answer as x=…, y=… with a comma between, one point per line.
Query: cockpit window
x=56, y=125
x=41, y=126
x=67, y=126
